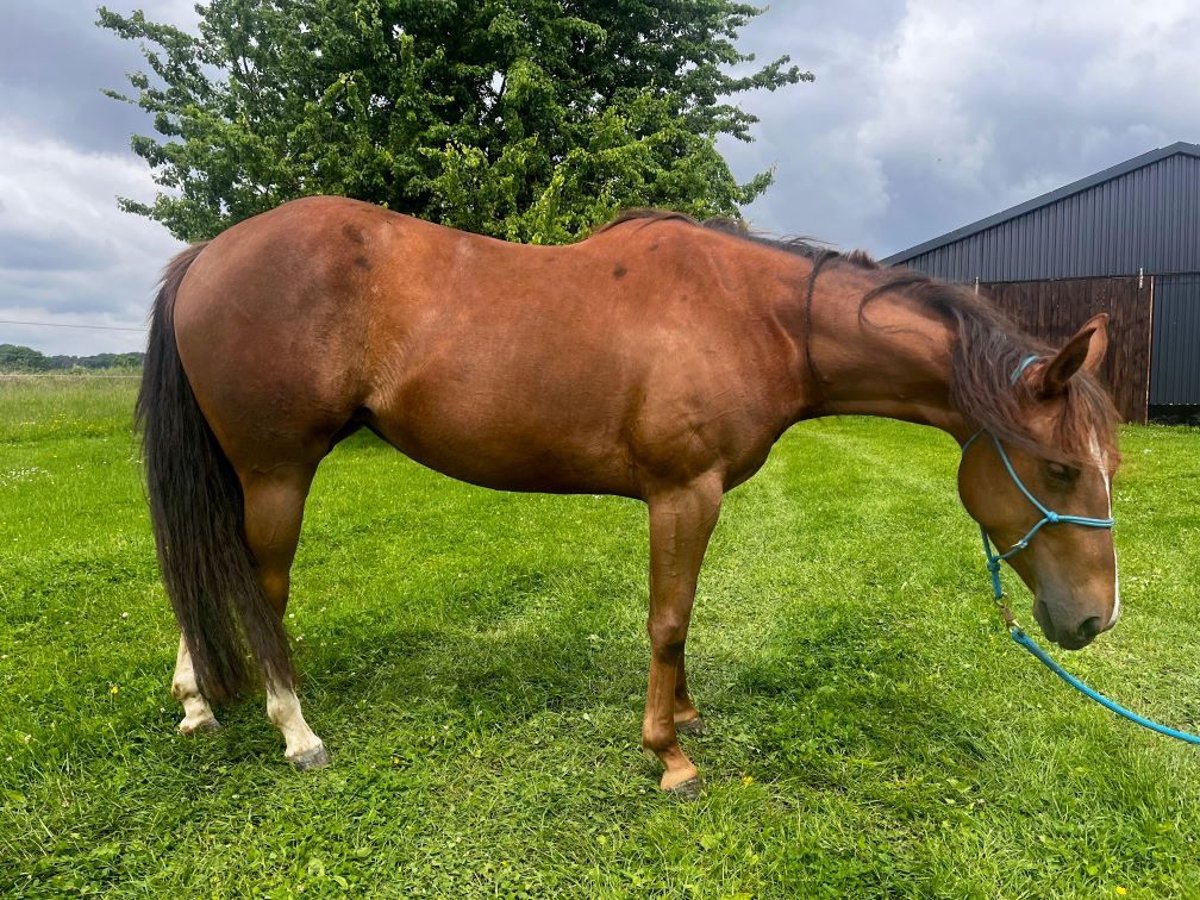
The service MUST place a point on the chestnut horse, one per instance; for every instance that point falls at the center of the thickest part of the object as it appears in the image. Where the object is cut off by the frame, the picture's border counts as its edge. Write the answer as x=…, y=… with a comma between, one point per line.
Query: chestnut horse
x=658, y=359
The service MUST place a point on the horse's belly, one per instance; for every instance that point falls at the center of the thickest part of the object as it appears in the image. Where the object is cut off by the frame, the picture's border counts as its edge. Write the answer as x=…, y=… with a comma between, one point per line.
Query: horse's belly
x=509, y=442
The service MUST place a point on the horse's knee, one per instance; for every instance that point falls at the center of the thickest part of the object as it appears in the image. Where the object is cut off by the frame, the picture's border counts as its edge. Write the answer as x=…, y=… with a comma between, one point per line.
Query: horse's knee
x=668, y=631
x=659, y=736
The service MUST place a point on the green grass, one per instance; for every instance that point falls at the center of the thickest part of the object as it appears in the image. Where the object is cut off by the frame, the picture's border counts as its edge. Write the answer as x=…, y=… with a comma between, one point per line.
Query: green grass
x=476, y=663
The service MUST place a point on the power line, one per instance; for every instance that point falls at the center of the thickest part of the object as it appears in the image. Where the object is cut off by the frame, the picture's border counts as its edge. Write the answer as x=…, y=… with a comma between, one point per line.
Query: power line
x=72, y=325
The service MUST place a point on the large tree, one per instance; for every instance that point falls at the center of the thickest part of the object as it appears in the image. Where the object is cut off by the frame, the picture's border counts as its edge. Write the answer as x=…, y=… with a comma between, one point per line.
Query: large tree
x=531, y=120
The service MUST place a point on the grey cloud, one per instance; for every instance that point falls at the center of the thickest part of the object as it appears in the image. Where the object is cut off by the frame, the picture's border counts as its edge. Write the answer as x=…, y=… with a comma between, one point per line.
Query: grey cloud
x=67, y=254
x=110, y=293
x=24, y=253
x=54, y=62
x=933, y=114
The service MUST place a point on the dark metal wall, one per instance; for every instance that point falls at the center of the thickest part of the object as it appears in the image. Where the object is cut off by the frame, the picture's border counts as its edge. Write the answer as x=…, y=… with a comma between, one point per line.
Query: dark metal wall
x=1148, y=219
x=1175, y=362
x=1054, y=310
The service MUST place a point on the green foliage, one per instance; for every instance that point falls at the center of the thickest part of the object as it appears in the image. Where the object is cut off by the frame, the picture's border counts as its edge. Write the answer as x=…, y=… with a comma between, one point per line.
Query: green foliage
x=531, y=120
x=476, y=663
x=17, y=358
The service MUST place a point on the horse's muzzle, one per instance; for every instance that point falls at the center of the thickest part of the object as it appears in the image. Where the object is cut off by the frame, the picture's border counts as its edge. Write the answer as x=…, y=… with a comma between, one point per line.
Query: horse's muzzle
x=1068, y=638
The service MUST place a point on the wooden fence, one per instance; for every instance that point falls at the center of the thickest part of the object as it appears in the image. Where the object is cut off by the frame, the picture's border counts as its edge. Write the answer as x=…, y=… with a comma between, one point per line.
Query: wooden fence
x=1054, y=310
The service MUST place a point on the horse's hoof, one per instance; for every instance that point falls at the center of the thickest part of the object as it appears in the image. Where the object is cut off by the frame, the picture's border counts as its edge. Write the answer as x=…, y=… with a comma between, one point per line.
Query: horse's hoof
x=692, y=727
x=316, y=758
x=686, y=790
x=200, y=726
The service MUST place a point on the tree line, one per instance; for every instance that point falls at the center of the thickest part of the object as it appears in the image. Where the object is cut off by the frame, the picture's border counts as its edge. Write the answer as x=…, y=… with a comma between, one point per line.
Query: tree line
x=18, y=358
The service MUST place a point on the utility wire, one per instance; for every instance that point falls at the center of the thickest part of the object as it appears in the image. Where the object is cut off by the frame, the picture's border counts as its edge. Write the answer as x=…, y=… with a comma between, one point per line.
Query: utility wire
x=72, y=325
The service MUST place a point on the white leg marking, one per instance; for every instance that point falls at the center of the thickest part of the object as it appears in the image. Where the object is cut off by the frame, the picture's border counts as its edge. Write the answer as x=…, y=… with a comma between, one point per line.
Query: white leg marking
x=283, y=709
x=197, y=714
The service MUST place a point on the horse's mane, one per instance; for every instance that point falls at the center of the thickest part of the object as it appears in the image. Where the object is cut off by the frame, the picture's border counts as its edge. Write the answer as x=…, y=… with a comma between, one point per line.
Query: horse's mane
x=989, y=349
x=798, y=246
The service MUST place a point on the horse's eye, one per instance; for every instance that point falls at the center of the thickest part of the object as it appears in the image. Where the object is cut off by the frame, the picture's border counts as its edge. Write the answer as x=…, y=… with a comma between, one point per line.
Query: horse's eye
x=1062, y=473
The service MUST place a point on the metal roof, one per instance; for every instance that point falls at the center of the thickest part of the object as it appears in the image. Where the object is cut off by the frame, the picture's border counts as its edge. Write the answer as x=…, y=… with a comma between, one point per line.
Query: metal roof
x=1075, y=187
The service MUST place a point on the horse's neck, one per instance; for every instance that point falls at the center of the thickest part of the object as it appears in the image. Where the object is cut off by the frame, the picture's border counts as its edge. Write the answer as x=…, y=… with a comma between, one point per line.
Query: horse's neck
x=897, y=364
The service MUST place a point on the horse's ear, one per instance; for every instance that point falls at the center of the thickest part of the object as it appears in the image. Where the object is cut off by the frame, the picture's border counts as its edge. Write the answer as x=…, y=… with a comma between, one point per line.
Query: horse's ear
x=1086, y=350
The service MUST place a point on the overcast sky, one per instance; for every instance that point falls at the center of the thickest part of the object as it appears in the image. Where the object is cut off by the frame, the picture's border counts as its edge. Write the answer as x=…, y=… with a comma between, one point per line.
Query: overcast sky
x=925, y=115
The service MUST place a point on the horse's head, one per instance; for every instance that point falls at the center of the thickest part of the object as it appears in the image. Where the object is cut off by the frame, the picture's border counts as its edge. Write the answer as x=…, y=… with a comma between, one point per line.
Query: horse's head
x=1070, y=568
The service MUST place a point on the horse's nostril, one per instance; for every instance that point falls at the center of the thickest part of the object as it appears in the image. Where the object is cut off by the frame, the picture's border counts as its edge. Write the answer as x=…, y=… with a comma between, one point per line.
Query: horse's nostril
x=1090, y=628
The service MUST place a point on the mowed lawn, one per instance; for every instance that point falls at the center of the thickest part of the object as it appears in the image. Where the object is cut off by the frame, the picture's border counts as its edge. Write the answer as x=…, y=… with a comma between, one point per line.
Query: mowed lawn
x=476, y=663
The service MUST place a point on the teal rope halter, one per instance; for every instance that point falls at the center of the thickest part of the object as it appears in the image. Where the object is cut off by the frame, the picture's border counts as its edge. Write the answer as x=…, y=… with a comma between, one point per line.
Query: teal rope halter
x=1050, y=517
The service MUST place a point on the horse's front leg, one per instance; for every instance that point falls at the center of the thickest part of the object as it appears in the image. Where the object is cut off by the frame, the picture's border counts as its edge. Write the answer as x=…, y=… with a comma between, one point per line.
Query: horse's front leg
x=681, y=521
x=687, y=717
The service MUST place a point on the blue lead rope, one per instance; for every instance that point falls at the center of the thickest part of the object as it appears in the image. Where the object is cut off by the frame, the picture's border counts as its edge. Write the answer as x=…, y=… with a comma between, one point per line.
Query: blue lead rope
x=1049, y=517
x=1027, y=642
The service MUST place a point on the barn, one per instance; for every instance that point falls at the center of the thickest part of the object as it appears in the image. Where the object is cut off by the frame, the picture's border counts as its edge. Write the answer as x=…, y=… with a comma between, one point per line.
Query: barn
x=1125, y=241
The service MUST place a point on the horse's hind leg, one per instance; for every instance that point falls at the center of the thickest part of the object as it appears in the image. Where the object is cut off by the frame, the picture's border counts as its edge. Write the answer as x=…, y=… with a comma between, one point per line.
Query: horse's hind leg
x=681, y=522
x=197, y=714
x=274, y=509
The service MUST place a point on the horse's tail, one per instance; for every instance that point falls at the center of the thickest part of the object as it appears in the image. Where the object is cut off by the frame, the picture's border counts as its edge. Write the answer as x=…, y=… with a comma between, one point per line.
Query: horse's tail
x=196, y=510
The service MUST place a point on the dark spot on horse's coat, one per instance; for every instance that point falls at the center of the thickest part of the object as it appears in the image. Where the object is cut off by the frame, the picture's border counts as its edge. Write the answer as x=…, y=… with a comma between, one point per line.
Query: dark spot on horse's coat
x=362, y=262
x=353, y=233
x=619, y=271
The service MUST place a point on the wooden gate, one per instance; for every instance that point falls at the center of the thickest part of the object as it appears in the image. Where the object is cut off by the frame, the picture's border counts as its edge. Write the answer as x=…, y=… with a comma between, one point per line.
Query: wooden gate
x=1054, y=310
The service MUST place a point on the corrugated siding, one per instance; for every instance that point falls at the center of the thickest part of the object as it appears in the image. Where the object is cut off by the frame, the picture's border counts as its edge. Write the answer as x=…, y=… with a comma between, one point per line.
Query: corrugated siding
x=1175, y=361
x=1148, y=218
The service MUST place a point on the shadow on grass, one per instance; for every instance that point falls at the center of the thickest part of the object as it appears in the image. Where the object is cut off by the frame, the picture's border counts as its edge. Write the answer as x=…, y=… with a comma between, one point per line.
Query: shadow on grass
x=836, y=687
x=818, y=689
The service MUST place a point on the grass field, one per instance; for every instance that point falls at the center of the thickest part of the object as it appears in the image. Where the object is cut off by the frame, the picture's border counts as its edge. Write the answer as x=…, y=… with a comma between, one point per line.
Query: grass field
x=476, y=664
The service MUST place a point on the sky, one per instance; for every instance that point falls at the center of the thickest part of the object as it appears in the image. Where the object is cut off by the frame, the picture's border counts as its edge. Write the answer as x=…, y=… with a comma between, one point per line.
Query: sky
x=925, y=115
